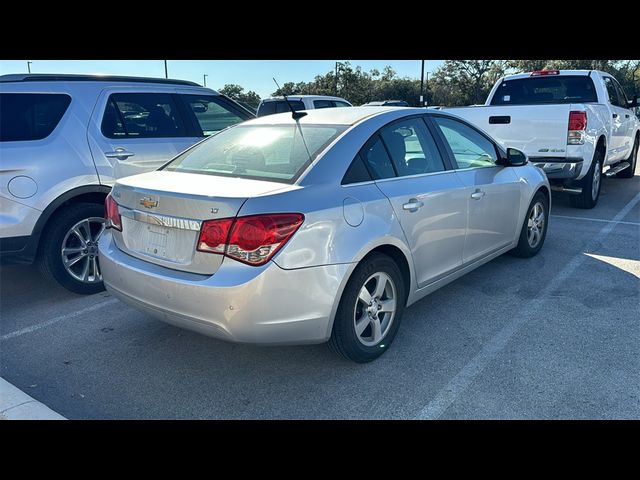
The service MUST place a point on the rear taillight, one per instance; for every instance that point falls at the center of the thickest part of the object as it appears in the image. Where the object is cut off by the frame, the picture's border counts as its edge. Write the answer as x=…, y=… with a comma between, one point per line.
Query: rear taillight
x=577, y=128
x=253, y=239
x=112, y=214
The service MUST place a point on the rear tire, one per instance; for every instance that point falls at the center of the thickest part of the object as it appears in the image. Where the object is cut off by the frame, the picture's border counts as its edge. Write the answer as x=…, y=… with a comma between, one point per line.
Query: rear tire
x=633, y=160
x=591, y=185
x=370, y=310
x=534, y=228
x=59, y=242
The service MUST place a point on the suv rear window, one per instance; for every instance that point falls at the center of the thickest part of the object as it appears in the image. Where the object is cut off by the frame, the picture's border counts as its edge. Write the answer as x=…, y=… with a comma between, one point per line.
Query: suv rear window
x=30, y=116
x=279, y=106
x=264, y=152
x=545, y=89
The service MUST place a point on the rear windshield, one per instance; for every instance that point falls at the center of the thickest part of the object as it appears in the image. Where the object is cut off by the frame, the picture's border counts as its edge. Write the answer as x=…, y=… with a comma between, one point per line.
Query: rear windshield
x=264, y=152
x=545, y=89
x=279, y=106
x=30, y=116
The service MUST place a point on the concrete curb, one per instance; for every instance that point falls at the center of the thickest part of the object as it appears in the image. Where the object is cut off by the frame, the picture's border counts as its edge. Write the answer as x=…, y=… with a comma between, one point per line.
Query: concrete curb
x=17, y=405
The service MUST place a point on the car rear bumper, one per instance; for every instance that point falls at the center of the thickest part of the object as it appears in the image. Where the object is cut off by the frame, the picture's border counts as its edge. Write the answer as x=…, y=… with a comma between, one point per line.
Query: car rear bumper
x=559, y=168
x=239, y=303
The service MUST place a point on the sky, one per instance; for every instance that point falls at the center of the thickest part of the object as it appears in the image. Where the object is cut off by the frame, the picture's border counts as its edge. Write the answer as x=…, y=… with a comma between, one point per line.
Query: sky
x=253, y=75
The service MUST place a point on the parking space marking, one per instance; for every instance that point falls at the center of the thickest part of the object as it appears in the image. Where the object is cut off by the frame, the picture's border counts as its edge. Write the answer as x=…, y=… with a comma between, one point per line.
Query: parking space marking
x=67, y=316
x=461, y=381
x=604, y=220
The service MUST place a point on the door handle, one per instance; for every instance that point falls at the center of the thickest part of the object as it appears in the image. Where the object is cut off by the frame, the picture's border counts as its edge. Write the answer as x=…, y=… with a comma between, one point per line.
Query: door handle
x=477, y=195
x=615, y=115
x=119, y=153
x=626, y=115
x=412, y=205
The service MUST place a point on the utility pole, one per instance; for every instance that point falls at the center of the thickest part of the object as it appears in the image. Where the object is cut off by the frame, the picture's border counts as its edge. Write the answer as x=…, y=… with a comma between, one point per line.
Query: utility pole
x=427, y=85
x=422, y=86
x=335, y=87
x=205, y=79
x=29, y=66
x=166, y=72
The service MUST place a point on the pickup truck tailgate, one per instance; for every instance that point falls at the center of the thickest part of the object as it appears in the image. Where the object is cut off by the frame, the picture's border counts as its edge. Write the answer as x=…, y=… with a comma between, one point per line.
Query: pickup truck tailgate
x=537, y=130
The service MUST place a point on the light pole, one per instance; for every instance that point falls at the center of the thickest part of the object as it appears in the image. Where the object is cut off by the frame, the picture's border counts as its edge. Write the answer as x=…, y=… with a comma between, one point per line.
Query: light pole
x=205, y=79
x=166, y=74
x=29, y=66
x=422, y=86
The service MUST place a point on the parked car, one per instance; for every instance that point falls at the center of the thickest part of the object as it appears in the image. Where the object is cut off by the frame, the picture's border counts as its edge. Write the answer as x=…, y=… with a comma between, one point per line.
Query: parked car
x=301, y=229
x=272, y=105
x=64, y=139
x=574, y=124
x=387, y=103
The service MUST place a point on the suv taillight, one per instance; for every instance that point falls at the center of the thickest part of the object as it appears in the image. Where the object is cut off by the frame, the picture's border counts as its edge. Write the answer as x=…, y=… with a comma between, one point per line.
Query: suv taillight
x=577, y=127
x=112, y=214
x=253, y=239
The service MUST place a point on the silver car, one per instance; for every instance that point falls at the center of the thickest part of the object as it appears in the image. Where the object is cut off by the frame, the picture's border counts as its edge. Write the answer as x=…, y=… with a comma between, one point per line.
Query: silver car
x=319, y=226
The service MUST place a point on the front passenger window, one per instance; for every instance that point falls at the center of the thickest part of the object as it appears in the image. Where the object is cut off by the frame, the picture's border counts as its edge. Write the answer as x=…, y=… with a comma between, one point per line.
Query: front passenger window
x=470, y=148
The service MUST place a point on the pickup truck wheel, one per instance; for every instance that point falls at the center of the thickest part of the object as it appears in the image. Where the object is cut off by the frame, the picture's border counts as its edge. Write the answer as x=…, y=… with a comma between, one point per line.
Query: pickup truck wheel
x=534, y=228
x=633, y=160
x=591, y=185
x=369, y=311
x=69, y=249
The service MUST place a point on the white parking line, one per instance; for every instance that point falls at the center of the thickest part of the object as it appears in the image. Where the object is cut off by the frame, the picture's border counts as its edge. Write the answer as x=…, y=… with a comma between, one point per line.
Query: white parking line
x=461, y=381
x=597, y=220
x=67, y=316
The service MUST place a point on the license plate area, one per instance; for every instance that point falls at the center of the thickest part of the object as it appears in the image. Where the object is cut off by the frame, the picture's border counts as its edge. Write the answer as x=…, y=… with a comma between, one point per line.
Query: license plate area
x=157, y=239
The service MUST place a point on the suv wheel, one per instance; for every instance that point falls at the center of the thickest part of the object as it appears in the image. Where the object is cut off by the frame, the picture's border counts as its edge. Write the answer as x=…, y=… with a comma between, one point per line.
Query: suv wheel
x=370, y=310
x=591, y=185
x=69, y=252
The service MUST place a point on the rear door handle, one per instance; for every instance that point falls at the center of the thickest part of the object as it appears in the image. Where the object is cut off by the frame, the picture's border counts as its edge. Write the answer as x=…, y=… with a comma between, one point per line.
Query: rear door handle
x=477, y=195
x=615, y=115
x=413, y=204
x=626, y=115
x=119, y=153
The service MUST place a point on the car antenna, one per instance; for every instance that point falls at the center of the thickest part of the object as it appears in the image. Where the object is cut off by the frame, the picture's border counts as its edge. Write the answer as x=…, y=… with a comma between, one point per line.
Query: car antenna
x=295, y=115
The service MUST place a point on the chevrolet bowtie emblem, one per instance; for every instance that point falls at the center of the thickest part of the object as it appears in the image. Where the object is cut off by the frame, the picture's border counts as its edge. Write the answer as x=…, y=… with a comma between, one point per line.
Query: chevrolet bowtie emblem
x=148, y=202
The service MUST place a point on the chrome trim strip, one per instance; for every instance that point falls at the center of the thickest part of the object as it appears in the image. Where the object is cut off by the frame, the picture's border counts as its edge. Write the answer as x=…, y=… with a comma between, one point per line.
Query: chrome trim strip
x=161, y=220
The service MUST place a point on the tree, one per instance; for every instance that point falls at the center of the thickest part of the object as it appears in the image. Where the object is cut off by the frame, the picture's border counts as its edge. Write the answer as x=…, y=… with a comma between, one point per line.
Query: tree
x=237, y=93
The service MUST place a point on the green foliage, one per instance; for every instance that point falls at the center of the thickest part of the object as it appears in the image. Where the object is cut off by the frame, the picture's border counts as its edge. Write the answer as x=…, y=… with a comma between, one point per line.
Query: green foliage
x=237, y=93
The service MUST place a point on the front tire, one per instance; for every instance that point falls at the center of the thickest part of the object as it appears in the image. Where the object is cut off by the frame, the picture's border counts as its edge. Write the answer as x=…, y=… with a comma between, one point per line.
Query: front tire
x=370, y=310
x=591, y=185
x=534, y=228
x=69, y=249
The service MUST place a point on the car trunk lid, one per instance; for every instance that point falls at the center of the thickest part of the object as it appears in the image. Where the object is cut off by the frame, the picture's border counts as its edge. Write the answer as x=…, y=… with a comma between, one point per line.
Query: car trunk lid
x=162, y=213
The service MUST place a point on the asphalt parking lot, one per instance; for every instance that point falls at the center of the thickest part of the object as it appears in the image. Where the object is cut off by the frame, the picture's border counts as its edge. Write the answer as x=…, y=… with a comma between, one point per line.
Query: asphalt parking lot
x=555, y=336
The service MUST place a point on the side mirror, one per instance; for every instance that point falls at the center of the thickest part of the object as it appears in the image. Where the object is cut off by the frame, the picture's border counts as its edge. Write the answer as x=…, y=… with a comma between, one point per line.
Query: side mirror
x=633, y=103
x=516, y=158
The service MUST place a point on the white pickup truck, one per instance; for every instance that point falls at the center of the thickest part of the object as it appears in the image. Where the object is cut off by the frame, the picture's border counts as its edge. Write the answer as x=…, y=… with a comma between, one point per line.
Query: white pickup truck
x=574, y=124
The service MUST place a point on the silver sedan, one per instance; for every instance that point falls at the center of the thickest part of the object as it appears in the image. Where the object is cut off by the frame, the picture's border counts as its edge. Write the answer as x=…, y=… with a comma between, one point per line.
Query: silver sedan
x=319, y=226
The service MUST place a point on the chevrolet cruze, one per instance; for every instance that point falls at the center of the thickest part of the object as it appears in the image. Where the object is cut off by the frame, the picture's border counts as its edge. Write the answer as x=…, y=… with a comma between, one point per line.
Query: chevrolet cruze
x=319, y=226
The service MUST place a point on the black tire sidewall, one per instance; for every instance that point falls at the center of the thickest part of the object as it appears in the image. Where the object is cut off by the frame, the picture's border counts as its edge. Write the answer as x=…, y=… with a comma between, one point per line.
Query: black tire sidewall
x=523, y=248
x=343, y=336
x=52, y=238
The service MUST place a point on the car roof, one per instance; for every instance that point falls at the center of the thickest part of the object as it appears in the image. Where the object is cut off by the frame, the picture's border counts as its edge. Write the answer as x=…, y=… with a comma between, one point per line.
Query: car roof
x=57, y=77
x=333, y=116
x=300, y=97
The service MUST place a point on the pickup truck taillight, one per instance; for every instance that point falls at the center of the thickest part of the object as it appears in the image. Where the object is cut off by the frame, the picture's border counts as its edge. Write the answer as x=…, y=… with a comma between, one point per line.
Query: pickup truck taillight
x=111, y=213
x=253, y=239
x=577, y=127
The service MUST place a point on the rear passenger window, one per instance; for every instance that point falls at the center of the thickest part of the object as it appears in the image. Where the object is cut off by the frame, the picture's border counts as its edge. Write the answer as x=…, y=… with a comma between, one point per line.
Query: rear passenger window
x=266, y=108
x=338, y=103
x=142, y=115
x=211, y=115
x=412, y=148
x=378, y=162
x=356, y=172
x=283, y=106
x=322, y=104
x=30, y=116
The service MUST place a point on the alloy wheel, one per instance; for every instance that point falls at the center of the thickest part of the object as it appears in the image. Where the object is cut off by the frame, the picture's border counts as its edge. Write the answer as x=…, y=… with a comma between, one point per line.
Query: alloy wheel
x=375, y=309
x=535, y=225
x=80, y=250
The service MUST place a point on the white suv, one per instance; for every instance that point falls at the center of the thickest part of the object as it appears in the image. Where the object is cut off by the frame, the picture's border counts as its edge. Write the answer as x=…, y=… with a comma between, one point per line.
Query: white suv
x=272, y=105
x=65, y=139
